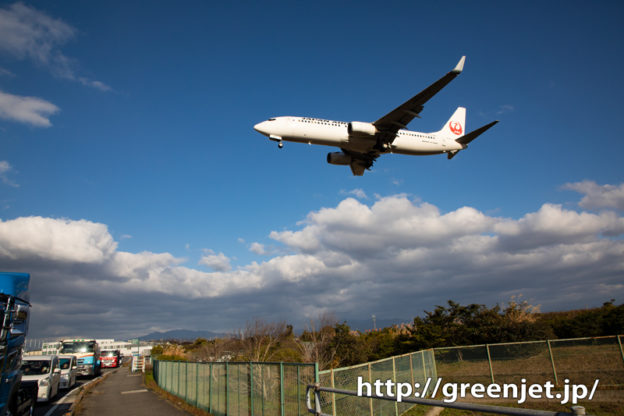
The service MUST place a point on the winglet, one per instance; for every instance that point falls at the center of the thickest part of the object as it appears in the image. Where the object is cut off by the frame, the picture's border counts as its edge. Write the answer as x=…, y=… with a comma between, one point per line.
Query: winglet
x=460, y=65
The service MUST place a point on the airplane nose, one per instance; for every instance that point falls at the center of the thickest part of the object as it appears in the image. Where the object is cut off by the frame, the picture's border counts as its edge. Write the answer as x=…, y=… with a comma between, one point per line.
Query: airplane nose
x=260, y=128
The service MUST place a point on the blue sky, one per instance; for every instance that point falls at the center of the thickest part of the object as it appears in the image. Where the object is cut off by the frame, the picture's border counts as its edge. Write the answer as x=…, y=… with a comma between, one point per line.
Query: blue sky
x=138, y=120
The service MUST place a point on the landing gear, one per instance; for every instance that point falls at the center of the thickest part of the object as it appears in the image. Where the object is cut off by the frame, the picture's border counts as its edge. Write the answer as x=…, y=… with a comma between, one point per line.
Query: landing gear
x=280, y=145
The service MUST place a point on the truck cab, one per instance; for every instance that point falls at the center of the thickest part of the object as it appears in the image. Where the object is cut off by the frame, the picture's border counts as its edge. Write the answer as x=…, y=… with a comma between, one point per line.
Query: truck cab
x=17, y=396
x=87, y=352
x=111, y=358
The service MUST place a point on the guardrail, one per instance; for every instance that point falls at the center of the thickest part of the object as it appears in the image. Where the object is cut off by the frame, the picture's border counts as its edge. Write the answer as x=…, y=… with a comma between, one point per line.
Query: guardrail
x=316, y=408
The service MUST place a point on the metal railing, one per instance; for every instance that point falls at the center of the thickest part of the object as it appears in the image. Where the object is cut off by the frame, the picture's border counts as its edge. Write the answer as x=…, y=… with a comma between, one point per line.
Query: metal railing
x=317, y=408
x=239, y=388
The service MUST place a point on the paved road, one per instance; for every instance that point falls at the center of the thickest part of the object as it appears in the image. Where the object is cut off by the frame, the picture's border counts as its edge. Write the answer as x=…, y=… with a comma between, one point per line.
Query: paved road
x=60, y=404
x=123, y=394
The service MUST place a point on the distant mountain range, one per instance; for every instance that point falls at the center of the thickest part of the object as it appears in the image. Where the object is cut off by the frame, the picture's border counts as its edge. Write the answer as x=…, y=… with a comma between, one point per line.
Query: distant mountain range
x=180, y=335
x=191, y=335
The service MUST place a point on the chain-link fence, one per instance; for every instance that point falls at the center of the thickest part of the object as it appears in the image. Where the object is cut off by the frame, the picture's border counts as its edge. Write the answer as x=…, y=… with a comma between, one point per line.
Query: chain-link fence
x=579, y=360
x=232, y=388
x=417, y=367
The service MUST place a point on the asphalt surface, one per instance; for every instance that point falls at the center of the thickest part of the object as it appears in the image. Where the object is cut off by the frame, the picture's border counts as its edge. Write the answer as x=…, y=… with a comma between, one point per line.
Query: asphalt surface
x=60, y=404
x=123, y=394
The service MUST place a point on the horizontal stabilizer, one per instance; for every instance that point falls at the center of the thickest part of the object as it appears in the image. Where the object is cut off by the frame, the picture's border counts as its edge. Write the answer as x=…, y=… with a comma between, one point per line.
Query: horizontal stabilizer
x=467, y=138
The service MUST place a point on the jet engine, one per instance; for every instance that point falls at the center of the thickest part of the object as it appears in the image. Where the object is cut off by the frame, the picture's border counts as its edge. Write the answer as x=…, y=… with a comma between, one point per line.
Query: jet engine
x=358, y=128
x=338, y=158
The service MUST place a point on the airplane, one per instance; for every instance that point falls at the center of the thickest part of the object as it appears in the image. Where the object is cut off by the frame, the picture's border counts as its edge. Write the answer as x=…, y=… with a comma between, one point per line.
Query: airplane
x=361, y=143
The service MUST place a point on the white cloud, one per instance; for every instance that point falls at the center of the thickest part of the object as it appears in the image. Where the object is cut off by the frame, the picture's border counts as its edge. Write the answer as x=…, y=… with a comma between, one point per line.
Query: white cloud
x=358, y=193
x=395, y=257
x=598, y=196
x=27, y=33
x=55, y=240
x=5, y=168
x=505, y=108
x=258, y=248
x=6, y=73
x=219, y=262
x=29, y=110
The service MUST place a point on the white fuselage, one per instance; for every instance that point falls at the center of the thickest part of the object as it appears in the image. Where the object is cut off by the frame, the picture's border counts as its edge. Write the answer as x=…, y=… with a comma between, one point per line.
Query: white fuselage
x=335, y=133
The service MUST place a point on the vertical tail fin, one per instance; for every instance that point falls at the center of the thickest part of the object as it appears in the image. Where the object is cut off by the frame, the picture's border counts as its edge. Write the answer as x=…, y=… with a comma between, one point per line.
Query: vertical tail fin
x=455, y=127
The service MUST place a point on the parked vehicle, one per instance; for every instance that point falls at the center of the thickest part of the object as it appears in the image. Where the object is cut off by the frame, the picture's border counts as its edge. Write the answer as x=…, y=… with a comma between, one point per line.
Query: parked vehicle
x=87, y=352
x=17, y=396
x=111, y=358
x=69, y=371
x=45, y=370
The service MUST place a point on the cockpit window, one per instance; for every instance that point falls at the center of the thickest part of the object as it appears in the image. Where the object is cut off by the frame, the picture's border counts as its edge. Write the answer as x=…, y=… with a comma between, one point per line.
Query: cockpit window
x=271, y=119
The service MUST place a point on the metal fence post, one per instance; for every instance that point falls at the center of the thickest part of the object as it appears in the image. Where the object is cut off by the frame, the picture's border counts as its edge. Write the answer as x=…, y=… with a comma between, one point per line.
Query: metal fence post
x=487, y=348
x=210, y=389
x=370, y=380
x=552, y=361
x=620, y=344
x=411, y=369
x=281, y=367
x=196, y=384
x=394, y=378
x=178, y=374
x=186, y=382
x=422, y=358
x=251, y=389
x=333, y=394
x=227, y=388
x=435, y=366
x=316, y=372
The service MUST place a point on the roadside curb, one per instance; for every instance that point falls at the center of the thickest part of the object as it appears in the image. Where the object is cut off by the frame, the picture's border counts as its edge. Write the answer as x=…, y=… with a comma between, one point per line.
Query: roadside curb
x=83, y=391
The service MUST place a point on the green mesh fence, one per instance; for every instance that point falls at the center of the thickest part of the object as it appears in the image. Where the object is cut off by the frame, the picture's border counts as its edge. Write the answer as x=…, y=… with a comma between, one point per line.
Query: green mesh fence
x=581, y=361
x=584, y=360
x=226, y=389
x=409, y=368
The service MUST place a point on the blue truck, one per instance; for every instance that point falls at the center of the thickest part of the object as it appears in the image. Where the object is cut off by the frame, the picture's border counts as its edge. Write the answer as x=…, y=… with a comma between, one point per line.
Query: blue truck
x=17, y=397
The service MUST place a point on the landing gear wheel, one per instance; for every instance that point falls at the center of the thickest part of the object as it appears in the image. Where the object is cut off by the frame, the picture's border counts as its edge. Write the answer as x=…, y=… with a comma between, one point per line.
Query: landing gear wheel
x=280, y=145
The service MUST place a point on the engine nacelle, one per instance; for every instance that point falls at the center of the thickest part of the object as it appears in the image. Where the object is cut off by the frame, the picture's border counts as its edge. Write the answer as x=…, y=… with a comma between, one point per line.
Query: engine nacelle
x=338, y=158
x=358, y=128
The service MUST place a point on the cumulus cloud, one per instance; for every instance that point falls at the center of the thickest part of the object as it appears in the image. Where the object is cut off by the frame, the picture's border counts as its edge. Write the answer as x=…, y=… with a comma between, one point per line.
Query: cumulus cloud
x=394, y=258
x=219, y=262
x=258, y=248
x=55, y=240
x=29, y=110
x=598, y=196
x=5, y=168
x=27, y=33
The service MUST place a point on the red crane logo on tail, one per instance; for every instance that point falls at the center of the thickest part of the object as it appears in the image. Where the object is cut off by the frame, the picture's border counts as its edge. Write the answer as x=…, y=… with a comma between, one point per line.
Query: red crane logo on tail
x=456, y=127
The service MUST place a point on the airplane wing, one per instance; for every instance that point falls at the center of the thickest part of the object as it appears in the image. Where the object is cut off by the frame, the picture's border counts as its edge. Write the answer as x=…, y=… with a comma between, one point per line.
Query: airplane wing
x=360, y=162
x=400, y=117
